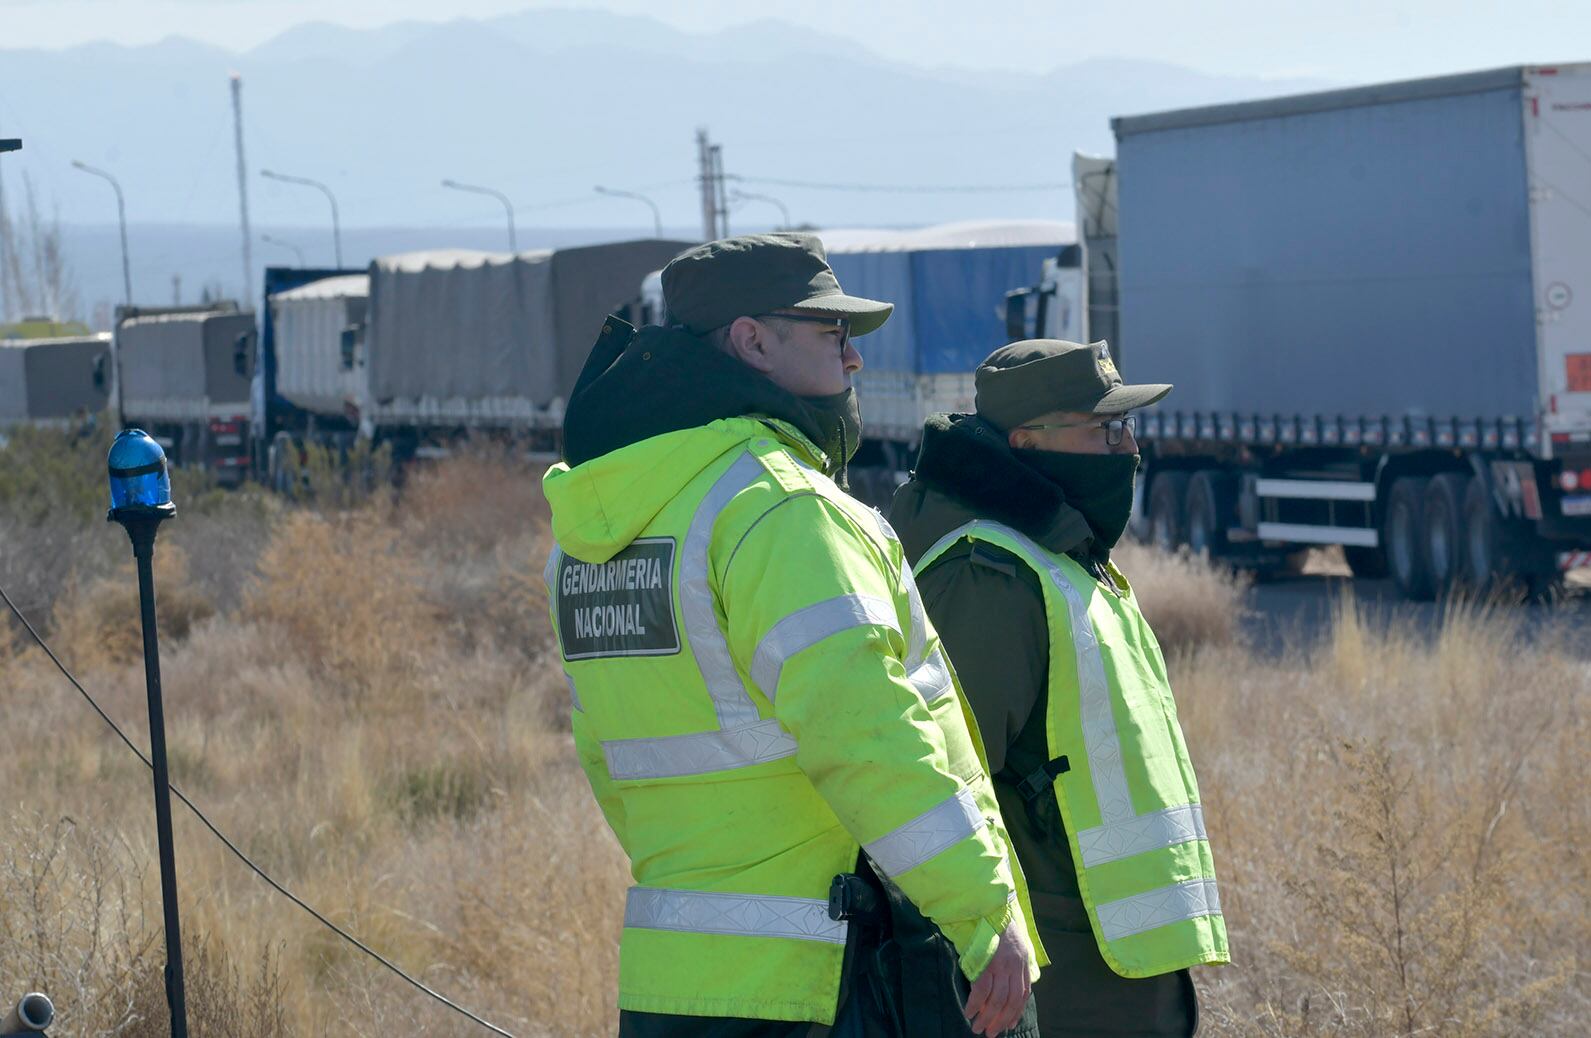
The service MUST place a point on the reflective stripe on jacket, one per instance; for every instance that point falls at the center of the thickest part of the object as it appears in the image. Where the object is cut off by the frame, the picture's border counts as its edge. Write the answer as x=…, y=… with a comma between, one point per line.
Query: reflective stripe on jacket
x=1128, y=796
x=758, y=695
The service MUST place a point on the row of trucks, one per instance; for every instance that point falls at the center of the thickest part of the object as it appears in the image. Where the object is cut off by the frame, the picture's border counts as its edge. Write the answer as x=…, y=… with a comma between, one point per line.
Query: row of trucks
x=1374, y=303
x=424, y=347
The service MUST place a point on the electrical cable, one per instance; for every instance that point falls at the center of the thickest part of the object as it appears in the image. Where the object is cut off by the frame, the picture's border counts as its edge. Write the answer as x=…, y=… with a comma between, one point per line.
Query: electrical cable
x=219, y=835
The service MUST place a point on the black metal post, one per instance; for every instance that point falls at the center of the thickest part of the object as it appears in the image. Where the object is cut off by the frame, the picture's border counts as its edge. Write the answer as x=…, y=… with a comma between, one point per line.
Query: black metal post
x=141, y=530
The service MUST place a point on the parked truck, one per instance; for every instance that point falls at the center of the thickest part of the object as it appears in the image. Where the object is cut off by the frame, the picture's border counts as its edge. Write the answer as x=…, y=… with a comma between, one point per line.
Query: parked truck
x=53, y=381
x=422, y=347
x=1375, y=305
x=184, y=377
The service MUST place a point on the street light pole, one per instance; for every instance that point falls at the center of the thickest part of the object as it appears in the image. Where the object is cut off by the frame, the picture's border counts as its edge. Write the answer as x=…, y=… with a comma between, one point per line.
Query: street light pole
x=336, y=227
x=121, y=218
x=267, y=239
x=657, y=219
x=747, y=196
x=513, y=245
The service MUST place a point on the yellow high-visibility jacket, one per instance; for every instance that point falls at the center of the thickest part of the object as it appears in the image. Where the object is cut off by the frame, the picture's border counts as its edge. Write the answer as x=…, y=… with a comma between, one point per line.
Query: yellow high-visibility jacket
x=758, y=696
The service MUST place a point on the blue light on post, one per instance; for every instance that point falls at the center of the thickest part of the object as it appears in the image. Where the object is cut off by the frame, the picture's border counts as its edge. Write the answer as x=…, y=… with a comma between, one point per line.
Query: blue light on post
x=139, y=477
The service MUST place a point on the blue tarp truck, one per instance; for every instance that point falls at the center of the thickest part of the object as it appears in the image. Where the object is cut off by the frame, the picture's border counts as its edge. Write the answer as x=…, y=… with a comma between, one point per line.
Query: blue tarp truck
x=1375, y=305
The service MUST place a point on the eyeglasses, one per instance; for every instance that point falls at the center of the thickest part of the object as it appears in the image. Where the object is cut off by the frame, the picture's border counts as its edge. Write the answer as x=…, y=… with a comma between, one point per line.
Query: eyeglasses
x=1116, y=429
x=842, y=323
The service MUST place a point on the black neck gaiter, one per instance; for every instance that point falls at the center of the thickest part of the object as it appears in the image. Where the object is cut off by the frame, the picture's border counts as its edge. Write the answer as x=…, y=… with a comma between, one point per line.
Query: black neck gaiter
x=1098, y=485
x=840, y=417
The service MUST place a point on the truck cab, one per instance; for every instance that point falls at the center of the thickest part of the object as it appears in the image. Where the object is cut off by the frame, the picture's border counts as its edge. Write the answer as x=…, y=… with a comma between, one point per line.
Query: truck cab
x=1053, y=308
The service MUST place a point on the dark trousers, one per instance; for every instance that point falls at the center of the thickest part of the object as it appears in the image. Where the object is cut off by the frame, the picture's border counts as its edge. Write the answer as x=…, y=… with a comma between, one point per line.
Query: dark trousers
x=1079, y=996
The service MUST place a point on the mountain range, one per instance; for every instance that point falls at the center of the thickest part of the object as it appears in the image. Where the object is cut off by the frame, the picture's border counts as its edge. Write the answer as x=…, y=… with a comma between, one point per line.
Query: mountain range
x=543, y=105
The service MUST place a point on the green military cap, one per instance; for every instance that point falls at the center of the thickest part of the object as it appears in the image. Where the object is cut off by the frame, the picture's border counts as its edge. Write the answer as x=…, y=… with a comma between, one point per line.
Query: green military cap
x=710, y=285
x=1019, y=382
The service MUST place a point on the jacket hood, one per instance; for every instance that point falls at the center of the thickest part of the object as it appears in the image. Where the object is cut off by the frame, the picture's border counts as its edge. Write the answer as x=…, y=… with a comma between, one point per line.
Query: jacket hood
x=602, y=505
x=966, y=470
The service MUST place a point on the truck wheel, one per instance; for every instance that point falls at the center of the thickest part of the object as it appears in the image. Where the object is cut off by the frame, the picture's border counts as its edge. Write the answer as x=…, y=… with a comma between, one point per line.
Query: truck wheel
x=1404, y=536
x=1210, y=505
x=1444, y=530
x=1168, y=516
x=1366, y=563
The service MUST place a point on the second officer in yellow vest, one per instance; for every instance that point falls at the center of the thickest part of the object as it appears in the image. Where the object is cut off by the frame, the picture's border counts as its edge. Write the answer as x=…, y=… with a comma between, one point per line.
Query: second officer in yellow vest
x=1010, y=518
x=758, y=696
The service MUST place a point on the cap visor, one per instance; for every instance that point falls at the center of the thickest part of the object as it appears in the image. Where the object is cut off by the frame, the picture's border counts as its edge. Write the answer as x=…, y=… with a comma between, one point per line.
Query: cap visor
x=867, y=315
x=1122, y=399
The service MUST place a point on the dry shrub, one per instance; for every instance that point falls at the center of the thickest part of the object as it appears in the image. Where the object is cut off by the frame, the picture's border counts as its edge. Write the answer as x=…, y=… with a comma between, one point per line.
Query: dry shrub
x=333, y=479
x=1187, y=601
x=97, y=623
x=483, y=533
x=346, y=595
x=81, y=915
x=1396, y=830
x=1398, y=819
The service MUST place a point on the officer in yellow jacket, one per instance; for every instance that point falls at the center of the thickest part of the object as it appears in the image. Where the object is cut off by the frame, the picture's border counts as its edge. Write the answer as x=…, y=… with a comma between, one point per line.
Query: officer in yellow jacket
x=759, y=700
x=1010, y=518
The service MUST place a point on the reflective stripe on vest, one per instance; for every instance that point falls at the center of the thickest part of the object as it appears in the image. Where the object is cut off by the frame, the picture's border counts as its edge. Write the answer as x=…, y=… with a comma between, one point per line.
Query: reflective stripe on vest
x=1156, y=908
x=738, y=915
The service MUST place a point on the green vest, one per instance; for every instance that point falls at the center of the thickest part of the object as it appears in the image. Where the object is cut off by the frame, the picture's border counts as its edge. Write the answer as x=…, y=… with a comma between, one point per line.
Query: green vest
x=758, y=696
x=1128, y=797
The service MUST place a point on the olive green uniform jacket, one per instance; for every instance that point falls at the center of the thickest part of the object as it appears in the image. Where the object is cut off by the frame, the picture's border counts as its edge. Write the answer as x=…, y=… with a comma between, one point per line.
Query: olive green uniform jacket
x=988, y=608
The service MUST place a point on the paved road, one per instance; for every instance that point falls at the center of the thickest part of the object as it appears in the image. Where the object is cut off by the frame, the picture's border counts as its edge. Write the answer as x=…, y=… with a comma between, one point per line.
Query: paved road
x=1296, y=610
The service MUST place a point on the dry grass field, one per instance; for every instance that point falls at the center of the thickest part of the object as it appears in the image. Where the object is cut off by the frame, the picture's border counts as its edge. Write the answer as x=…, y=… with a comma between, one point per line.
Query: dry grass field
x=360, y=690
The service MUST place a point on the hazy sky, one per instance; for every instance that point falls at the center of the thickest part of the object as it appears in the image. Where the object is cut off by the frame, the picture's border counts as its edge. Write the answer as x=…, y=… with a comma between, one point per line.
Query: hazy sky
x=1347, y=40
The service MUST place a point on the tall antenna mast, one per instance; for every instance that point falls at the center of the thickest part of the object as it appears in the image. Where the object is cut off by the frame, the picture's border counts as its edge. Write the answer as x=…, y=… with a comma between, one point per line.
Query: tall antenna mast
x=246, y=297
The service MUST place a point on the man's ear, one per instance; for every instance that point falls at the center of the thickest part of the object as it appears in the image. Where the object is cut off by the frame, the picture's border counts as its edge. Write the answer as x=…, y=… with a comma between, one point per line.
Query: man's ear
x=748, y=341
x=1020, y=439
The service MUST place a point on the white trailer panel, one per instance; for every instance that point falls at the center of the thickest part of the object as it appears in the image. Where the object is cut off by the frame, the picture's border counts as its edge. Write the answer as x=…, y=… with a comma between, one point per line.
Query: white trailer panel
x=1557, y=101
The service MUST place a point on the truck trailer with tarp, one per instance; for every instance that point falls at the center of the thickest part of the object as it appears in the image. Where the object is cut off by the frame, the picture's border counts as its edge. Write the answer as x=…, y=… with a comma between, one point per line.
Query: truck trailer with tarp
x=458, y=339
x=184, y=378
x=1373, y=305
x=54, y=382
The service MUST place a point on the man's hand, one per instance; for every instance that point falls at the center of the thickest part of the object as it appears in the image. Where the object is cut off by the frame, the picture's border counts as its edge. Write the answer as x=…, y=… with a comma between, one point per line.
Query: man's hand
x=1001, y=991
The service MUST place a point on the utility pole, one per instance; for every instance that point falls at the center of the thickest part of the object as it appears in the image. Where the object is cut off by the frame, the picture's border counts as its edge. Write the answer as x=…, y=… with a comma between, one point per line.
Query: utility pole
x=720, y=194
x=246, y=297
x=705, y=176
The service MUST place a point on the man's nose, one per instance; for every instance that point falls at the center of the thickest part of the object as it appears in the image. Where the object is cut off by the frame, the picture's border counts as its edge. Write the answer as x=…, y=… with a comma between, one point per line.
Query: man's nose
x=851, y=358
